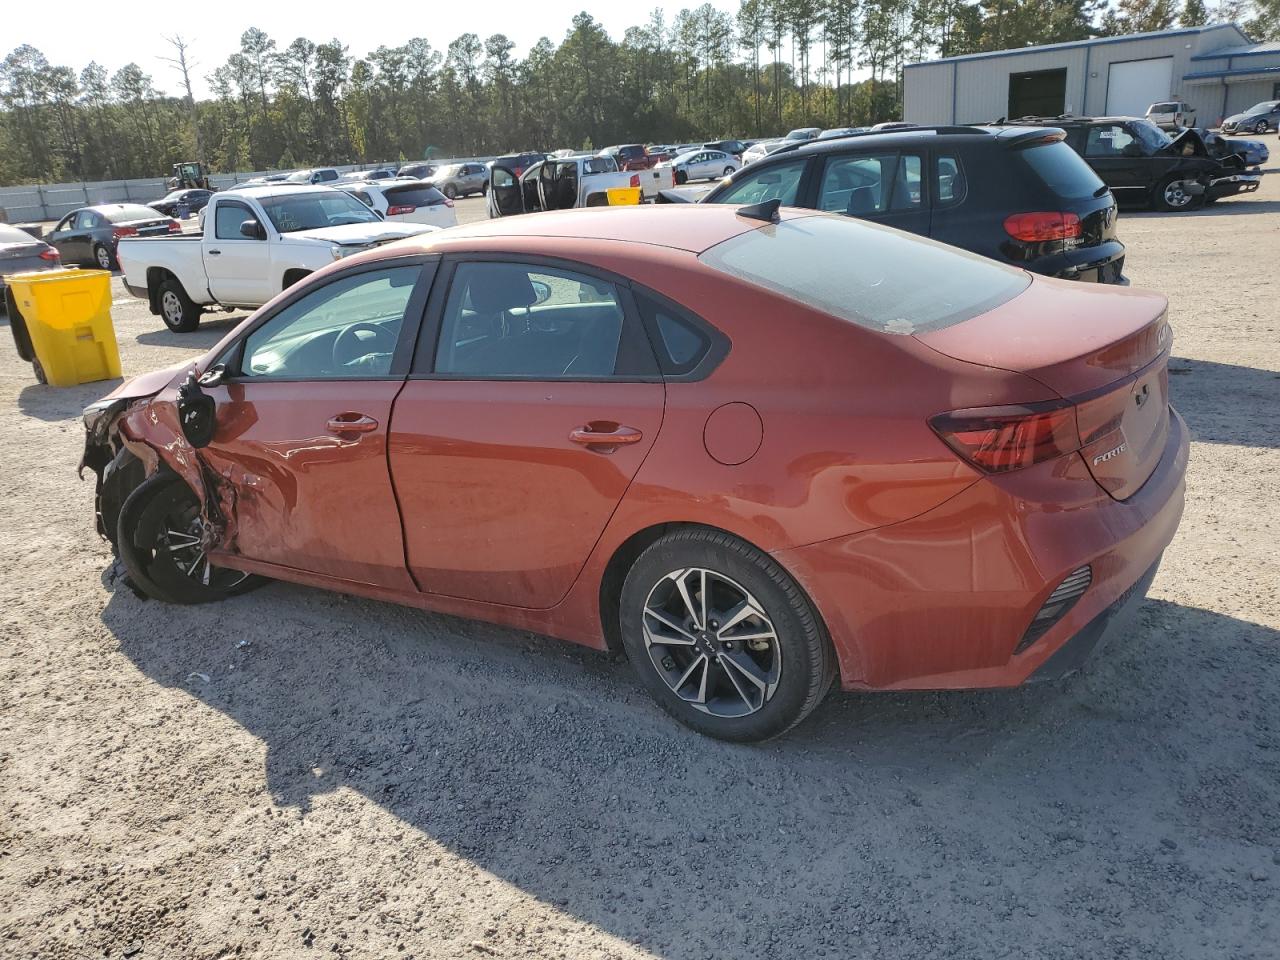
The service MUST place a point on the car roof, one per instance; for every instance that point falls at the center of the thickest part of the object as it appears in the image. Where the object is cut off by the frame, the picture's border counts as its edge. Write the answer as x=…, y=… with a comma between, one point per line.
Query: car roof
x=280, y=189
x=691, y=227
x=876, y=138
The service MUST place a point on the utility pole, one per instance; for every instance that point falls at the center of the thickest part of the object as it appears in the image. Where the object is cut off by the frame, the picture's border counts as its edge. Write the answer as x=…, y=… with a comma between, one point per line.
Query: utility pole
x=184, y=67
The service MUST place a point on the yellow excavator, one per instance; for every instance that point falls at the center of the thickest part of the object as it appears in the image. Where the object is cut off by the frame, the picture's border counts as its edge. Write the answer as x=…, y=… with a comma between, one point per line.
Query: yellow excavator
x=190, y=175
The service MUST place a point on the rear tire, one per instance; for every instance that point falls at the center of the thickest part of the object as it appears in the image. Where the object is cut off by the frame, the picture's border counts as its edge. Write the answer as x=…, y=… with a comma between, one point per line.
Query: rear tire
x=104, y=258
x=728, y=172
x=722, y=637
x=450, y=191
x=1261, y=127
x=159, y=536
x=177, y=310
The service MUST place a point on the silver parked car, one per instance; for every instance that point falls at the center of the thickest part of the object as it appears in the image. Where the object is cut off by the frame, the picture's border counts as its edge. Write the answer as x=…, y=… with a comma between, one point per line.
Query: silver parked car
x=20, y=252
x=1260, y=118
x=1172, y=115
x=461, y=179
x=702, y=165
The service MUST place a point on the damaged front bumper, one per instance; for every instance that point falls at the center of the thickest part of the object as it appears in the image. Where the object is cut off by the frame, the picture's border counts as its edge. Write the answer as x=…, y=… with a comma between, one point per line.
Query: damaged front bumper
x=1233, y=184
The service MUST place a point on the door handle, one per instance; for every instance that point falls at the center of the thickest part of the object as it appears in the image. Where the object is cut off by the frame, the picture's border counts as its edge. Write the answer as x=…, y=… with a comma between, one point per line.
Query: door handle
x=215, y=253
x=351, y=423
x=612, y=435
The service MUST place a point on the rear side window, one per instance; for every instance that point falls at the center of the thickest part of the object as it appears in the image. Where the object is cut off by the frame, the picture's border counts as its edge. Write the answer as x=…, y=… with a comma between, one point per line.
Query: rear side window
x=680, y=342
x=951, y=186
x=1062, y=171
x=778, y=181
x=868, y=274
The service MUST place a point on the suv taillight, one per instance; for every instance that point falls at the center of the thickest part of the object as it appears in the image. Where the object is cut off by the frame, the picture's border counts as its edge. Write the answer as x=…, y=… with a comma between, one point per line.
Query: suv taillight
x=1038, y=227
x=1000, y=439
x=402, y=208
x=119, y=232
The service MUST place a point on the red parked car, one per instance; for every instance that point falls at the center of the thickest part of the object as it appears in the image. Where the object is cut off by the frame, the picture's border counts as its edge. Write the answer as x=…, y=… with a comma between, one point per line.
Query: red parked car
x=756, y=455
x=632, y=156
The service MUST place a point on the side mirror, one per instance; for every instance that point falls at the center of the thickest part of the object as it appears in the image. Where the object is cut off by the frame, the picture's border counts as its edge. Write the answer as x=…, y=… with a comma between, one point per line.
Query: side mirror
x=253, y=230
x=542, y=291
x=214, y=376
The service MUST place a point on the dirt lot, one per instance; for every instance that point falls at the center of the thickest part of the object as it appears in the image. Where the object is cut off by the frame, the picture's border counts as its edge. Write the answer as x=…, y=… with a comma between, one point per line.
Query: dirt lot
x=294, y=773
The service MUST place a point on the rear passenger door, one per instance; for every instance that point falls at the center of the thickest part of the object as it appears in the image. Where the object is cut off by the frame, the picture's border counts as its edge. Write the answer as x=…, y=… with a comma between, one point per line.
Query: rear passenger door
x=534, y=399
x=881, y=186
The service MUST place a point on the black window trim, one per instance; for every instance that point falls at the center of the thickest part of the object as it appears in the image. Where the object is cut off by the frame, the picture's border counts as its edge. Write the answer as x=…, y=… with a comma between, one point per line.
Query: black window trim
x=414, y=310
x=806, y=189
x=898, y=151
x=423, y=363
x=718, y=342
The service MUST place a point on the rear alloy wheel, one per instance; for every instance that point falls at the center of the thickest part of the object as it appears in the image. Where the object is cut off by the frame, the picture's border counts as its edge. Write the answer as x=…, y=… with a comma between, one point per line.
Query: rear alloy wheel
x=728, y=171
x=722, y=637
x=1261, y=127
x=103, y=257
x=176, y=309
x=1172, y=195
x=163, y=541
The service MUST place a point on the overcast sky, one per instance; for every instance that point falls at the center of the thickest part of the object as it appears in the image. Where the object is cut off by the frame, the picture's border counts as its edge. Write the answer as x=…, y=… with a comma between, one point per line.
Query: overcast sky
x=73, y=32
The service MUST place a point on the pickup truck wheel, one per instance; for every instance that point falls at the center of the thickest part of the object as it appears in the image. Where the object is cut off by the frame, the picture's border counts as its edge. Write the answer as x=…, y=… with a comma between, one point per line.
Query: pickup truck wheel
x=104, y=258
x=176, y=309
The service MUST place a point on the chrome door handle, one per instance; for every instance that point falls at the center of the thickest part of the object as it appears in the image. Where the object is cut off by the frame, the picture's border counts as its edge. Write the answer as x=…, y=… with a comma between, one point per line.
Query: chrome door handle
x=618, y=436
x=351, y=423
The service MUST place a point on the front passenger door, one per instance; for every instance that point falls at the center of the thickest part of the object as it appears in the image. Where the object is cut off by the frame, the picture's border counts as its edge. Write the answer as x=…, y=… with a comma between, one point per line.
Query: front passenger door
x=302, y=422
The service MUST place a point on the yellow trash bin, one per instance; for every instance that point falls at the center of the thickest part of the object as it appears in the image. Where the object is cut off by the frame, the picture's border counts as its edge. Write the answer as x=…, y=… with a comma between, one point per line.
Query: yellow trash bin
x=61, y=323
x=623, y=196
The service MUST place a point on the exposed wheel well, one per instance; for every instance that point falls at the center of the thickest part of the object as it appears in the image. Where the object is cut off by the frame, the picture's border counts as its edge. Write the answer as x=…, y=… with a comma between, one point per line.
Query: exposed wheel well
x=293, y=276
x=615, y=572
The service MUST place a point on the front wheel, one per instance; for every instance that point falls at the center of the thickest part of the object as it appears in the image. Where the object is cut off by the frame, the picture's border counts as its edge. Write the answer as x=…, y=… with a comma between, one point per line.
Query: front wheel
x=722, y=637
x=450, y=191
x=163, y=541
x=1172, y=194
x=177, y=310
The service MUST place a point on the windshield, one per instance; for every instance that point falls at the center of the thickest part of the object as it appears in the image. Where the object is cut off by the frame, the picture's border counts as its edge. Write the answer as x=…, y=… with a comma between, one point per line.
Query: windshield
x=868, y=274
x=1265, y=107
x=1152, y=137
x=302, y=176
x=311, y=211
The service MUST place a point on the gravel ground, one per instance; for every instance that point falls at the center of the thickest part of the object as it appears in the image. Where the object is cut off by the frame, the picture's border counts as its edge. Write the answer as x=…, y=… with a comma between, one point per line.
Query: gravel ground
x=293, y=772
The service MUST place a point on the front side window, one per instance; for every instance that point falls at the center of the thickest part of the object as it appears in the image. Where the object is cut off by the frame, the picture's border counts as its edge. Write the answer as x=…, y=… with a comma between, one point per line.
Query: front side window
x=778, y=181
x=511, y=320
x=226, y=222
x=347, y=329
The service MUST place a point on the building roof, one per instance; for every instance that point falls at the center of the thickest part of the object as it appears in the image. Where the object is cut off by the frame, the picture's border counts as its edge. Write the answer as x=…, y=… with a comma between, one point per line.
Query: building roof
x=1242, y=50
x=1080, y=44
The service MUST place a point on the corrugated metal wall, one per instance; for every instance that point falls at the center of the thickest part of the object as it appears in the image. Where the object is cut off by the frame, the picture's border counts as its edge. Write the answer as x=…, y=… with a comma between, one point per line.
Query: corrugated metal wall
x=927, y=93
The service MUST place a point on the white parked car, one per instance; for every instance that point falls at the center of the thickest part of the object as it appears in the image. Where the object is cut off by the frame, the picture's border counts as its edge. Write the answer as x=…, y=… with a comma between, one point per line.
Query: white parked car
x=1172, y=115
x=702, y=165
x=762, y=149
x=256, y=242
x=413, y=201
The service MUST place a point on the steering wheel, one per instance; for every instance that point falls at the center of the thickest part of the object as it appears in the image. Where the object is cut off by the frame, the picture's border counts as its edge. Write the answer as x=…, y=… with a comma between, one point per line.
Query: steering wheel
x=349, y=345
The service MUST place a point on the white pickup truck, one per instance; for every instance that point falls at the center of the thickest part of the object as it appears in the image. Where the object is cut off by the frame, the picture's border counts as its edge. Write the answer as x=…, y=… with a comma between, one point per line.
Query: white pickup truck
x=562, y=183
x=255, y=242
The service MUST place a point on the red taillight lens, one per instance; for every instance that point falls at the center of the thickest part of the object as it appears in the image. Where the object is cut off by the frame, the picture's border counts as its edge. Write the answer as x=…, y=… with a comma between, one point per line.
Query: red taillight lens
x=175, y=226
x=119, y=232
x=635, y=179
x=448, y=202
x=1000, y=439
x=51, y=255
x=398, y=210
x=1037, y=227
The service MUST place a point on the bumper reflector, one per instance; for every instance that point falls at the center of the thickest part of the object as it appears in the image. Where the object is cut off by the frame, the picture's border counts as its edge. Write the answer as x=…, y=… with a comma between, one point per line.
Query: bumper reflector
x=1062, y=599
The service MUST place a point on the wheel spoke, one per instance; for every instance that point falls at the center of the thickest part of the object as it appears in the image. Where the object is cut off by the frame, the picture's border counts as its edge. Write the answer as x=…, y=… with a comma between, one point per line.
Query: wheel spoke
x=179, y=537
x=738, y=686
x=745, y=666
x=735, y=616
x=684, y=639
x=684, y=677
x=205, y=576
x=683, y=587
x=702, y=624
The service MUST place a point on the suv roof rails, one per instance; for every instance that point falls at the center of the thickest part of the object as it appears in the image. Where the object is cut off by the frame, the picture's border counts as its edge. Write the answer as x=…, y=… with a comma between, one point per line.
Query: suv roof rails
x=938, y=128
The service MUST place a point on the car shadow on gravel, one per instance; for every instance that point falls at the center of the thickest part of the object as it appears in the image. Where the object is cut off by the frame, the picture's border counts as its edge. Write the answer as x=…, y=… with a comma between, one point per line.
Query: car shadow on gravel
x=1125, y=806
x=1226, y=207
x=203, y=337
x=44, y=402
x=1227, y=403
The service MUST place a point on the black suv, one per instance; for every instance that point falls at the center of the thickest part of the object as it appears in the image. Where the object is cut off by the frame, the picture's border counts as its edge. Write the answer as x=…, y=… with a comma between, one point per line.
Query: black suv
x=1014, y=194
x=1146, y=167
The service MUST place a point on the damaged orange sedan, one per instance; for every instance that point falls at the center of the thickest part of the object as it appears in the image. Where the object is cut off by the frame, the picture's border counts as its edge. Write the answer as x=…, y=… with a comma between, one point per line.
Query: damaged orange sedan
x=756, y=451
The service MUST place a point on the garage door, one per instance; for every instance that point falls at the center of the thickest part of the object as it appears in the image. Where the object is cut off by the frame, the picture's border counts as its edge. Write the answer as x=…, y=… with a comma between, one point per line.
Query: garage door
x=1137, y=84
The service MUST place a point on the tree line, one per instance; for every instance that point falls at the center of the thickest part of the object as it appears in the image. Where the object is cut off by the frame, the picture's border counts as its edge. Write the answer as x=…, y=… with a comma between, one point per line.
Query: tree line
x=701, y=74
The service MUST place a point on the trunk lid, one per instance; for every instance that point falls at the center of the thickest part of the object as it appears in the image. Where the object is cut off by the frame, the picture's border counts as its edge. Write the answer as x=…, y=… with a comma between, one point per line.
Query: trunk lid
x=1105, y=350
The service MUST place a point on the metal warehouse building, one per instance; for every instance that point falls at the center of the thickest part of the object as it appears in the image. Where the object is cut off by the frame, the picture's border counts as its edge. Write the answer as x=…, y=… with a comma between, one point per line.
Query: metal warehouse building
x=1216, y=69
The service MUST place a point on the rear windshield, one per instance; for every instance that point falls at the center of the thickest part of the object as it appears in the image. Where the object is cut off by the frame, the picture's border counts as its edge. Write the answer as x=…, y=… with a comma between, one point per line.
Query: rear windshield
x=418, y=194
x=1163, y=108
x=1063, y=171
x=129, y=211
x=631, y=152
x=868, y=274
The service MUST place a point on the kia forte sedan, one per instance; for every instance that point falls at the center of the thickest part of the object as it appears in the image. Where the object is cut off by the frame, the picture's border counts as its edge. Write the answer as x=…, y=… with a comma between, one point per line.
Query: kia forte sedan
x=758, y=452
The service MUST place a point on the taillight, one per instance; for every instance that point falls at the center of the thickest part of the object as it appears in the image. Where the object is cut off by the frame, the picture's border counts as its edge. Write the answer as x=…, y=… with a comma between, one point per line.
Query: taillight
x=398, y=210
x=51, y=255
x=175, y=226
x=119, y=232
x=1000, y=439
x=448, y=202
x=1037, y=227
x=635, y=179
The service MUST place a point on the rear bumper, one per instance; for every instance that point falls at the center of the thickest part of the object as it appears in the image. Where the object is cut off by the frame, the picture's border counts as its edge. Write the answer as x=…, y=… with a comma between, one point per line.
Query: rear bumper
x=942, y=601
x=1103, y=263
x=139, y=292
